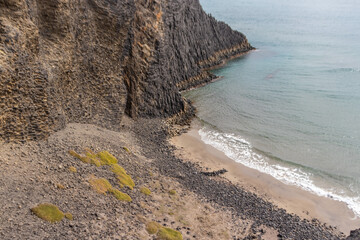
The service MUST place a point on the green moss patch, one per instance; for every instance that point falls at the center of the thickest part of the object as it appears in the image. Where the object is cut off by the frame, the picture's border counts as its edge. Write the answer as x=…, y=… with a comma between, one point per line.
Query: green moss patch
x=98, y=159
x=48, y=212
x=120, y=195
x=163, y=233
x=145, y=191
x=78, y=156
x=100, y=185
x=106, y=158
x=72, y=169
x=122, y=176
x=69, y=216
x=152, y=227
x=93, y=159
x=126, y=149
x=172, y=192
x=168, y=234
x=89, y=150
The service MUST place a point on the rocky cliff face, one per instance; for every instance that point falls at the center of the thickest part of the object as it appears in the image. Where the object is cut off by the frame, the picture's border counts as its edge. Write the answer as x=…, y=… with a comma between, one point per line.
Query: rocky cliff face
x=92, y=61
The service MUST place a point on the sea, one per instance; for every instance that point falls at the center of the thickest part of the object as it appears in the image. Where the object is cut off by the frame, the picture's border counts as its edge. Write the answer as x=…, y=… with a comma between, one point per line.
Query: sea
x=291, y=108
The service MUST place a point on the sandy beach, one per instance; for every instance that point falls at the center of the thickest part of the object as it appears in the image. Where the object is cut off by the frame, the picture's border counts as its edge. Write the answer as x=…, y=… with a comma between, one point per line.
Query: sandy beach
x=292, y=199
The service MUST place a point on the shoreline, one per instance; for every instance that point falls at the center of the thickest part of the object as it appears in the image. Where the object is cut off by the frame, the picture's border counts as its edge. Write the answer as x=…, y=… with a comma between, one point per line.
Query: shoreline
x=226, y=60
x=203, y=81
x=294, y=200
x=217, y=78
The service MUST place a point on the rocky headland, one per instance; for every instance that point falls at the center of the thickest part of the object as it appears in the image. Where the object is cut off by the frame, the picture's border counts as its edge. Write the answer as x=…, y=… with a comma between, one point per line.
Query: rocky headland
x=89, y=96
x=94, y=61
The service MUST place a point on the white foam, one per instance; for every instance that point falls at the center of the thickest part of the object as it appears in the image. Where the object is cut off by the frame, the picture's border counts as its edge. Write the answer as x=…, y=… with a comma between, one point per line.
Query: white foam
x=240, y=150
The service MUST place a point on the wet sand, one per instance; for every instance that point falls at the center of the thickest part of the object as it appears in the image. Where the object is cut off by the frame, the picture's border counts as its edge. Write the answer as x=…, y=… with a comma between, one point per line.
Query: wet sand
x=293, y=199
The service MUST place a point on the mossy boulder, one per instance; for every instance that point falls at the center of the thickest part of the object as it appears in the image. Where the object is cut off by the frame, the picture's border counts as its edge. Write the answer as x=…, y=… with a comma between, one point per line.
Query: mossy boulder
x=168, y=234
x=48, y=212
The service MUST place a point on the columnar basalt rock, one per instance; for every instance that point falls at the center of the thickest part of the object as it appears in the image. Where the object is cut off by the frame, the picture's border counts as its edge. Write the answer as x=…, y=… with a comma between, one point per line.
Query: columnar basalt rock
x=92, y=61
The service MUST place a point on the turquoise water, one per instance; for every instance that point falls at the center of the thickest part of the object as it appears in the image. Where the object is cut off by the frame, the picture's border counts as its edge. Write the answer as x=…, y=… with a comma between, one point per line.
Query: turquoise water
x=291, y=108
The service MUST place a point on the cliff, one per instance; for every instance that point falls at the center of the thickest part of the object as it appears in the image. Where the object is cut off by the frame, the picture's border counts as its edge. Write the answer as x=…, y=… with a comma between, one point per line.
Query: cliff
x=92, y=61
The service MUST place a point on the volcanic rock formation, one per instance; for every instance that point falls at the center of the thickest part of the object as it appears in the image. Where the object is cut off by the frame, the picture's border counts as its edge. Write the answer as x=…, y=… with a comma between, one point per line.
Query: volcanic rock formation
x=92, y=61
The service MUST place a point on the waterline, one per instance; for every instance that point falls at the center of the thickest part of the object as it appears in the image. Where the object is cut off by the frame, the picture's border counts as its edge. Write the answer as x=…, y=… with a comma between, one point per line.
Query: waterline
x=241, y=151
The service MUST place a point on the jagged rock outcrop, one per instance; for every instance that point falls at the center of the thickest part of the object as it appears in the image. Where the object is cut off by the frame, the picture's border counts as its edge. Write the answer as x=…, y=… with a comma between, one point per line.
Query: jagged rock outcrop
x=354, y=235
x=92, y=61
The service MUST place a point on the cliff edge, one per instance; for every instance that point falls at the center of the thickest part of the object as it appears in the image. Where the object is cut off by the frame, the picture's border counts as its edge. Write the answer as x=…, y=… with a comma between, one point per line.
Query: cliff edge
x=92, y=61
